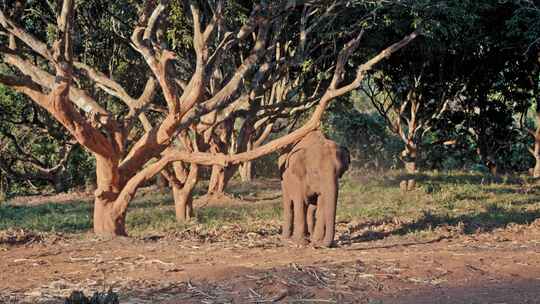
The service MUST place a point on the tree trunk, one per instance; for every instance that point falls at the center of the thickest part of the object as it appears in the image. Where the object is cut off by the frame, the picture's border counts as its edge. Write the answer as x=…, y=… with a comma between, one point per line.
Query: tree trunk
x=59, y=182
x=108, y=221
x=492, y=167
x=246, y=171
x=219, y=179
x=183, y=195
x=536, y=148
x=183, y=203
x=216, y=185
x=409, y=157
x=536, y=169
x=486, y=159
x=410, y=167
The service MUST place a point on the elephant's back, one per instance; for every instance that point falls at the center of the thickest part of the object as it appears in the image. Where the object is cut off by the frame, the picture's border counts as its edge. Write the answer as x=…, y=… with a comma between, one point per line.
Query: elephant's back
x=318, y=149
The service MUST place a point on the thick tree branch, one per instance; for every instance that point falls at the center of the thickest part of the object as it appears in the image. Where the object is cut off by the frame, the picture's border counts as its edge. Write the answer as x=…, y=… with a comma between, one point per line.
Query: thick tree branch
x=223, y=160
x=362, y=69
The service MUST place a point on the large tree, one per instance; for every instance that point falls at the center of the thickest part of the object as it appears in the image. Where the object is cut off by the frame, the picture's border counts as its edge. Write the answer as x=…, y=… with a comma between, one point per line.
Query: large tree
x=524, y=25
x=499, y=79
x=413, y=91
x=451, y=88
x=53, y=76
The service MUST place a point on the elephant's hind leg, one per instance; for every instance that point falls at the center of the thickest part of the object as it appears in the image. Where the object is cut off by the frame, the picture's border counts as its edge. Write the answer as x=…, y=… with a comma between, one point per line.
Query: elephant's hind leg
x=311, y=209
x=287, y=215
x=320, y=226
x=299, y=229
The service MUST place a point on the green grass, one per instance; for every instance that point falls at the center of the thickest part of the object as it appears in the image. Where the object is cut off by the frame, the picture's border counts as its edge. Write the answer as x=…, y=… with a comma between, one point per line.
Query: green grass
x=161, y=219
x=477, y=202
x=50, y=217
x=471, y=201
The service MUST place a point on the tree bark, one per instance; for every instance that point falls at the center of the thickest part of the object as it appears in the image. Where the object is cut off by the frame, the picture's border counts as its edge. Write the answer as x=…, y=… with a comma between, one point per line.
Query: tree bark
x=409, y=157
x=535, y=151
x=108, y=221
x=245, y=143
x=246, y=171
x=183, y=195
x=246, y=168
x=536, y=169
x=183, y=203
x=219, y=179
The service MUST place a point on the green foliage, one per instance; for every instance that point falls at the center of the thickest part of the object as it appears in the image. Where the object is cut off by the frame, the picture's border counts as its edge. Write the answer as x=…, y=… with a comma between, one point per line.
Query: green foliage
x=525, y=24
x=483, y=76
x=364, y=133
x=180, y=32
x=81, y=169
x=266, y=166
x=78, y=297
x=32, y=144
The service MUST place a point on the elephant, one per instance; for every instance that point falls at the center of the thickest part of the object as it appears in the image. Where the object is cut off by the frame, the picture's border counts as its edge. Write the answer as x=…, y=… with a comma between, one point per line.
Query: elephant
x=310, y=170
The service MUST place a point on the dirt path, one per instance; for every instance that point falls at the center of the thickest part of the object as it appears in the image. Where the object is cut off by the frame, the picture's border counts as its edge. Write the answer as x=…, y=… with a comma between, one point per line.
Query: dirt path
x=500, y=267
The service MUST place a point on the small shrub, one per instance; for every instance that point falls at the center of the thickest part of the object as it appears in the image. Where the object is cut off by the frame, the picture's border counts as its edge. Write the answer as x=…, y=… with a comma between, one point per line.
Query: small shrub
x=78, y=297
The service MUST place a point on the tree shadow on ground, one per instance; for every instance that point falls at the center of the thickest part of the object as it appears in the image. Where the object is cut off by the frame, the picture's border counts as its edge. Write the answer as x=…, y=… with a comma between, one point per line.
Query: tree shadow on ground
x=532, y=191
x=493, y=218
x=487, y=221
x=259, y=199
x=447, y=179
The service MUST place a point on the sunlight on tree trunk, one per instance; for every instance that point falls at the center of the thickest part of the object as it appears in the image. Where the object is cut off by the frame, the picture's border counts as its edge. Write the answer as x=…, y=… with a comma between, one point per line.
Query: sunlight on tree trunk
x=536, y=169
x=183, y=201
x=216, y=185
x=106, y=220
x=535, y=150
x=246, y=171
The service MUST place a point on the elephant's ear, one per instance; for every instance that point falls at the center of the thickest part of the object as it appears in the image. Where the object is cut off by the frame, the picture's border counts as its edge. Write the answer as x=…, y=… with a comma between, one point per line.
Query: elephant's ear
x=344, y=160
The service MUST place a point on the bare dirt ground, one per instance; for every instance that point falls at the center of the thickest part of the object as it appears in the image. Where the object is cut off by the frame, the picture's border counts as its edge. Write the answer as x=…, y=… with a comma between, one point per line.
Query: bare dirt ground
x=231, y=265
x=499, y=267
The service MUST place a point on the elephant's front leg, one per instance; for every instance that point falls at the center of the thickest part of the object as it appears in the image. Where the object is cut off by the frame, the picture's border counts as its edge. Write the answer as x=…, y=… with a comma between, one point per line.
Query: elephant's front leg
x=287, y=215
x=299, y=231
x=326, y=216
x=329, y=197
